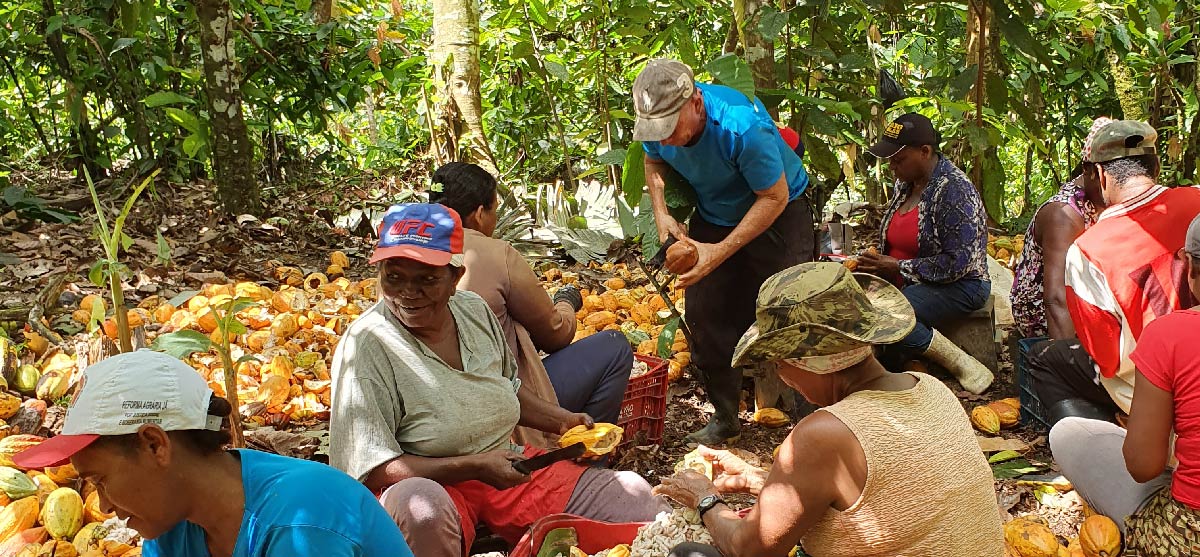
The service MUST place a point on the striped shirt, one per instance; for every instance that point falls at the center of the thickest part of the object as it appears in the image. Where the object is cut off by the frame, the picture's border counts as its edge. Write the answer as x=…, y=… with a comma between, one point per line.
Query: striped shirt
x=1122, y=273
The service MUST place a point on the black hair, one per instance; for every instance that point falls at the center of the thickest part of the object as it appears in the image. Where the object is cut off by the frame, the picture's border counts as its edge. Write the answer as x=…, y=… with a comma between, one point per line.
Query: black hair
x=463, y=187
x=1125, y=169
x=201, y=441
x=1076, y=172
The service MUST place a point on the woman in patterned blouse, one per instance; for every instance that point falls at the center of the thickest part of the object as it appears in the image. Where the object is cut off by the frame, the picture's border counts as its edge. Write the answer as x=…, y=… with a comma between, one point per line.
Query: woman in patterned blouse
x=934, y=238
x=1039, y=293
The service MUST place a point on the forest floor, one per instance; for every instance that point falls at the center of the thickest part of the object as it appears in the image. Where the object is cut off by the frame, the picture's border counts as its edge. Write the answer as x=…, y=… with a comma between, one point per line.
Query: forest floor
x=302, y=230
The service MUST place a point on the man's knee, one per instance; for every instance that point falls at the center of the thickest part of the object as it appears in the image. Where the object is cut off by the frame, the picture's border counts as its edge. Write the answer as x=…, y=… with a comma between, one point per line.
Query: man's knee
x=418, y=502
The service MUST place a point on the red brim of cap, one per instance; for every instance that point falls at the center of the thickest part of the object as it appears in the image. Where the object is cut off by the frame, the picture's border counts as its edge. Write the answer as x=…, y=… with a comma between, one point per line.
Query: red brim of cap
x=428, y=256
x=55, y=451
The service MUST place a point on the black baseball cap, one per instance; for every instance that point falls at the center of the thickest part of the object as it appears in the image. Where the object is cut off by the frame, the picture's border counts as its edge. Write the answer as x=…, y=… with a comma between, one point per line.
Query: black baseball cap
x=909, y=129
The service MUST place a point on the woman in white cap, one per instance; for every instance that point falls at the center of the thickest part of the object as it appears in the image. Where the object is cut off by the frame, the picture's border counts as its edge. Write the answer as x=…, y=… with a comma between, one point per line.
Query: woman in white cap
x=147, y=431
x=889, y=465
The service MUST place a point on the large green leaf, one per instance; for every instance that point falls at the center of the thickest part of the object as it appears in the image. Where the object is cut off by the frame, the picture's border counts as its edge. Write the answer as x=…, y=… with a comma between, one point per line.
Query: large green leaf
x=667, y=337
x=633, y=174
x=163, y=98
x=732, y=71
x=993, y=186
x=771, y=21
x=962, y=83
x=182, y=344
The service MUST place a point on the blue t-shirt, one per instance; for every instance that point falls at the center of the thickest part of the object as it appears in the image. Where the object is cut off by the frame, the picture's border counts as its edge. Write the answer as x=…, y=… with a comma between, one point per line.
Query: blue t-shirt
x=295, y=508
x=739, y=152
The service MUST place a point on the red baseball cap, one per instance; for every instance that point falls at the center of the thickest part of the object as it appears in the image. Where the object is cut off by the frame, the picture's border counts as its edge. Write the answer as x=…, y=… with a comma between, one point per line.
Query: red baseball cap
x=425, y=232
x=790, y=137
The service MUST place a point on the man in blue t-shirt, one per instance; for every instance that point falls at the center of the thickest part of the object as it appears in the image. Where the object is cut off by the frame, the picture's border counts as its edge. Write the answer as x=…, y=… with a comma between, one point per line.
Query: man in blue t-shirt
x=753, y=219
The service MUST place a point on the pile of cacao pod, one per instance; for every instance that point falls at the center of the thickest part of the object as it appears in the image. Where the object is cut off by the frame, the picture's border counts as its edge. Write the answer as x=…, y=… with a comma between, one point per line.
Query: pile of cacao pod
x=628, y=303
x=1031, y=537
x=283, y=343
x=1006, y=249
x=990, y=418
x=51, y=512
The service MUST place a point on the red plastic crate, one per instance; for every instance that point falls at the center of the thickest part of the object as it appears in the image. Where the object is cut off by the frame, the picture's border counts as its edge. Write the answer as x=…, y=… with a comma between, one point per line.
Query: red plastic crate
x=645, y=405
x=594, y=536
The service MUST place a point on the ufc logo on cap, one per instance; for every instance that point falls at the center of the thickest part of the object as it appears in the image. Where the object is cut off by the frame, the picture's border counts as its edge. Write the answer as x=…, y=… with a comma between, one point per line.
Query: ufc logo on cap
x=408, y=226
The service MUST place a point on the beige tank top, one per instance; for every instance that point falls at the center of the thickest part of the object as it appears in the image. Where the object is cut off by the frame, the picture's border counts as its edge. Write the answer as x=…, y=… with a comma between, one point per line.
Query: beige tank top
x=929, y=488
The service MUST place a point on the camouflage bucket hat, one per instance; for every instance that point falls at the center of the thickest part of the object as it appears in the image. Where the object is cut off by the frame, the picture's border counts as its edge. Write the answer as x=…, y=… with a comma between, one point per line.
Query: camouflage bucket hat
x=819, y=309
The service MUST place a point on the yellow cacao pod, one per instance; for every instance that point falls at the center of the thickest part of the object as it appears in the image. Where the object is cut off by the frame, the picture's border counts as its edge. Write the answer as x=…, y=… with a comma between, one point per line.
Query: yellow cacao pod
x=619, y=551
x=985, y=419
x=1030, y=539
x=315, y=281
x=19, y=515
x=91, y=507
x=1008, y=415
x=9, y=404
x=599, y=440
x=1100, y=537
x=53, y=386
x=1014, y=402
x=284, y=326
x=57, y=548
x=684, y=358
x=290, y=276
x=14, y=444
x=89, y=537
x=647, y=347
x=339, y=258
x=45, y=486
x=274, y=391
x=37, y=343
x=600, y=319
x=32, y=536
x=81, y=316
x=89, y=301
x=62, y=514
x=64, y=474
x=771, y=417
x=1074, y=549
x=614, y=283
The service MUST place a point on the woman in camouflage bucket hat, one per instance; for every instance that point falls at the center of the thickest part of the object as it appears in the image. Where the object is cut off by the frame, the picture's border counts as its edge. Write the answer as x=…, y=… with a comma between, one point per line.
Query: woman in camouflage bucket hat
x=888, y=466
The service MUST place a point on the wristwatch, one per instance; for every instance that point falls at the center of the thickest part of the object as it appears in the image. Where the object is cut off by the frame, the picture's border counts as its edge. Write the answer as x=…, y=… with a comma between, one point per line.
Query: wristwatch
x=707, y=503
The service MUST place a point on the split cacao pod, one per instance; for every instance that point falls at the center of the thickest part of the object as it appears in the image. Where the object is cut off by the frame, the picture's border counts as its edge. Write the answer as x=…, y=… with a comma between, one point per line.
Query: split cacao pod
x=9, y=404
x=57, y=548
x=18, y=541
x=339, y=258
x=53, y=385
x=64, y=474
x=614, y=283
x=600, y=319
x=601, y=439
x=91, y=507
x=89, y=537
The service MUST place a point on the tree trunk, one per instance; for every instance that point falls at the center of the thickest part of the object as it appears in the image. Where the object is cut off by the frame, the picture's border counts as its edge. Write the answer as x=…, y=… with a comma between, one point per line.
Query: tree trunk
x=232, y=152
x=456, y=77
x=760, y=53
x=1132, y=102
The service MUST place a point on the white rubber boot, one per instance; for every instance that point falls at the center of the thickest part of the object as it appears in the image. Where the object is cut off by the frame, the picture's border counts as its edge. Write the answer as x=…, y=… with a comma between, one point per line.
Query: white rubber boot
x=972, y=375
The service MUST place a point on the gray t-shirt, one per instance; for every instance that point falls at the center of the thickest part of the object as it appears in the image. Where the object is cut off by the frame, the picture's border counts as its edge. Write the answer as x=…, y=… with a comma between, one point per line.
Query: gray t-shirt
x=393, y=396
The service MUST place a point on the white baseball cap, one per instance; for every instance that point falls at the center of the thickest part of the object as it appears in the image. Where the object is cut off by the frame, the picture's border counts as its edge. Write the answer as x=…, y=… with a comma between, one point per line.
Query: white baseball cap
x=119, y=394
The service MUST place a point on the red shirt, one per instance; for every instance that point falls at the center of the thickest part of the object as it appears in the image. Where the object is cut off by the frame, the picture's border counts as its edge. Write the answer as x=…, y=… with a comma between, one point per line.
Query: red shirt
x=1122, y=274
x=1168, y=355
x=902, y=235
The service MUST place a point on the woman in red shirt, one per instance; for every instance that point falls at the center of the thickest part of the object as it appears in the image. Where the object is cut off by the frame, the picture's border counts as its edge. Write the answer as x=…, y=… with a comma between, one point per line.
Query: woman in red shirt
x=1127, y=477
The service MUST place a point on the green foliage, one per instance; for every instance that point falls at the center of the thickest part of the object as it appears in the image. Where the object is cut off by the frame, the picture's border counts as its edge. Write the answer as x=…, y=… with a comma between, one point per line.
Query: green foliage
x=119, y=85
x=30, y=206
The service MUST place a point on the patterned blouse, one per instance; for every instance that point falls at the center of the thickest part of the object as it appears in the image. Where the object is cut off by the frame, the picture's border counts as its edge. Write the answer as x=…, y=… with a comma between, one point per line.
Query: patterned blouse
x=951, y=229
x=1028, y=305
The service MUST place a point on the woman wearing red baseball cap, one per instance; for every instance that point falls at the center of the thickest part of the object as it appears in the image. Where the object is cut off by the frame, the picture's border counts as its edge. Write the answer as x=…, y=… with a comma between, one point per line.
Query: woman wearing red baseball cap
x=426, y=397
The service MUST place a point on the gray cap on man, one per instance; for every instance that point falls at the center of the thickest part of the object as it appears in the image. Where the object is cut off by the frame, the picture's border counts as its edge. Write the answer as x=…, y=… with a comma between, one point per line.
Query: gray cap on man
x=1191, y=243
x=659, y=92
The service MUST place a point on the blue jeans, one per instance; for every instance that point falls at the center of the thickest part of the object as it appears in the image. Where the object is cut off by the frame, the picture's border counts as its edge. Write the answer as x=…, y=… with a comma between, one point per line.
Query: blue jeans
x=590, y=375
x=936, y=304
